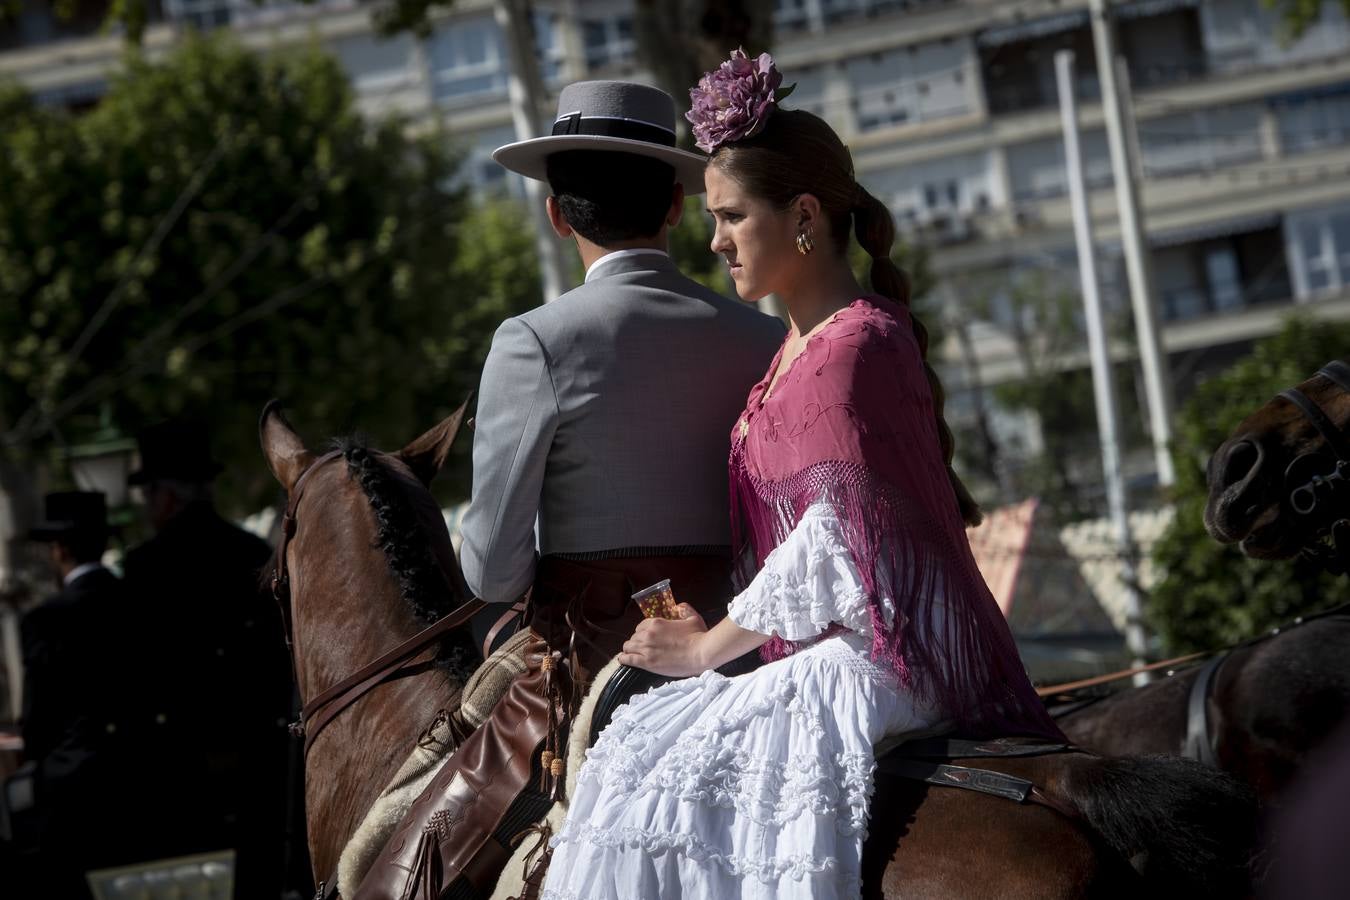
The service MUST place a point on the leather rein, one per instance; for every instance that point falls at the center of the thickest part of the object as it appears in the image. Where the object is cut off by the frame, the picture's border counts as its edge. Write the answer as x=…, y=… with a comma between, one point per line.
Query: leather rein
x=1321, y=498
x=411, y=657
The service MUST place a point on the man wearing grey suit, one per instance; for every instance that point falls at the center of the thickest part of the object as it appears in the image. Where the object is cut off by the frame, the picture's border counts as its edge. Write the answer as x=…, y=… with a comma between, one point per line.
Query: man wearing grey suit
x=604, y=417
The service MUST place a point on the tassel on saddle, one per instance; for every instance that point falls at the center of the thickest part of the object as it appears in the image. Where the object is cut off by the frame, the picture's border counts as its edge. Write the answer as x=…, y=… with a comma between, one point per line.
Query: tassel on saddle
x=457, y=834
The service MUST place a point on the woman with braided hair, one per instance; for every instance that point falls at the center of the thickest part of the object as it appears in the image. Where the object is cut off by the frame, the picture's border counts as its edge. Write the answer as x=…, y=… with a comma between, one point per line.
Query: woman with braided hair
x=855, y=578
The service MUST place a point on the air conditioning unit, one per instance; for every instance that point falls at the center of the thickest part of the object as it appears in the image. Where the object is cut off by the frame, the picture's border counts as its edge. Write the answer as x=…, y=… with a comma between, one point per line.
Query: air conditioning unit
x=954, y=228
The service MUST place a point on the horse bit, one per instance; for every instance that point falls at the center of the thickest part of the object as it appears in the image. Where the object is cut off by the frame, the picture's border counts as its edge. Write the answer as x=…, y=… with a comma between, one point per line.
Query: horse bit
x=1312, y=494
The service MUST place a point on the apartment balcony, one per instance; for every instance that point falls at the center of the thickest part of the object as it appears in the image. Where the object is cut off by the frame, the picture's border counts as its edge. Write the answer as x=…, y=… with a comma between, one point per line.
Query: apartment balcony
x=1018, y=60
x=32, y=22
x=1222, y=268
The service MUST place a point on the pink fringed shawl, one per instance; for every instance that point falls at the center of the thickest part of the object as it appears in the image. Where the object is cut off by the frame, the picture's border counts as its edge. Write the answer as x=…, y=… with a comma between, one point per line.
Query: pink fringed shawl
x=851, y=423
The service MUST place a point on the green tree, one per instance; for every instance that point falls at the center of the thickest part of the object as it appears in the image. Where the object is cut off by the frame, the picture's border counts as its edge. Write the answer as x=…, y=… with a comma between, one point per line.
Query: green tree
x=1298, y=15
x=1211, y=595
x=495, y=275
x=222, y=229
x=1043, y=325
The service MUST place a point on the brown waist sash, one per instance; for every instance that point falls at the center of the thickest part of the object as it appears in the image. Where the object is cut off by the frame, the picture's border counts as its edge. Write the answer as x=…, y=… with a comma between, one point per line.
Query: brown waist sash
x=586, y=606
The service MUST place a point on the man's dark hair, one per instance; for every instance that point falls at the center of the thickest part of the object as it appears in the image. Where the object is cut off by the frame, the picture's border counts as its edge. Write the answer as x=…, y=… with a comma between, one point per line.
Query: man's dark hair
x=608, y=197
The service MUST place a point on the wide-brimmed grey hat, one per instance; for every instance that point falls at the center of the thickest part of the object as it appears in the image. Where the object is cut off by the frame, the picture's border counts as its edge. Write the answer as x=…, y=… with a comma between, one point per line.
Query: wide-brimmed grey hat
x=609, y=115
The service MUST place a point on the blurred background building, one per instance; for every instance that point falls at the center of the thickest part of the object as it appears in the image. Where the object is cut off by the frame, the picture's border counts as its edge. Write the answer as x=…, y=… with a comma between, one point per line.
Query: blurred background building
x=949, y=108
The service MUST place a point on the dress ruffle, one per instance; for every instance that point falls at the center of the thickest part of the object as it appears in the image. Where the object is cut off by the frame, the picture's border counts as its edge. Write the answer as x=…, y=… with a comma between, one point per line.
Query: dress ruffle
x=808, y=583
x=752, y=787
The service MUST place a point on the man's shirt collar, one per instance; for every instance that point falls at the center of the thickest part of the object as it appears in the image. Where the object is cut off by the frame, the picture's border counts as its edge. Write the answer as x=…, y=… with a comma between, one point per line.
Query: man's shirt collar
x=595, y=271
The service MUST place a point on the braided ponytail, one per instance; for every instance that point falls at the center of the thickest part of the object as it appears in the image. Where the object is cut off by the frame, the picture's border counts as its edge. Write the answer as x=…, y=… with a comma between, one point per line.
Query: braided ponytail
x=875, y=229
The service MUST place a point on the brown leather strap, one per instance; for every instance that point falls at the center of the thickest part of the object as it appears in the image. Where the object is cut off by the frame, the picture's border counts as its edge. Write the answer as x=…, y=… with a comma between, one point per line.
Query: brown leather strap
x=280, y=578
x=322, y=709
x=517, y=610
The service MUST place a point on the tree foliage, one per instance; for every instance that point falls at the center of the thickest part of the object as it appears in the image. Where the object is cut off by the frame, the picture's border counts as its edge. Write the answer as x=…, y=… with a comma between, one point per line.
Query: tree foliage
x=1041, y=315
x=1211, y=595
x=1297, y=16
x=222, y=229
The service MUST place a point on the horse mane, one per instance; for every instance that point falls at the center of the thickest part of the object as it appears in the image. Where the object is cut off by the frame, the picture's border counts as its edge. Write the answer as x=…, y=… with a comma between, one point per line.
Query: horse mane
x=398, y=530
x=1192, y=827
x=401, y=535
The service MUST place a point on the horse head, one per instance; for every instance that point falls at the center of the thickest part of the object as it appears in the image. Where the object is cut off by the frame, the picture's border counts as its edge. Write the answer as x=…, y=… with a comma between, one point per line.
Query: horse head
x=1272, y=454
x=367, y=562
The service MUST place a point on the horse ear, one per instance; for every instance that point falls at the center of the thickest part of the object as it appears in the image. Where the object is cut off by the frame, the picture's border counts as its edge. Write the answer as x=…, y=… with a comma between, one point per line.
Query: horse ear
x=285, y=452
x=427, y=454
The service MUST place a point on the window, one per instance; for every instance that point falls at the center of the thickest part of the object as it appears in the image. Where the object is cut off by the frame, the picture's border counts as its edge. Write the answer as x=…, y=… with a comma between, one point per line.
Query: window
x=1319, y=251
x=835, y=10
x=608, y=41
x=1036, y=168
x=1205, y=139
x=1307, y=123
x=1225, y=281
x=467, y=60
x=917, y=83
x=1340, y=241
x=477, y=169
x=791, y=15
x=548, y=46
x=376, y=64
x=809, y=94
x=1314, y=259
x=921, y=193
x=200, y=14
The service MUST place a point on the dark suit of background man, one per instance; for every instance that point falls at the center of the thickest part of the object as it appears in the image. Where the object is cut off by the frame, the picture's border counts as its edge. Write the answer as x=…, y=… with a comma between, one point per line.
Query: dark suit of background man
x=74, y=726
x=225, y=689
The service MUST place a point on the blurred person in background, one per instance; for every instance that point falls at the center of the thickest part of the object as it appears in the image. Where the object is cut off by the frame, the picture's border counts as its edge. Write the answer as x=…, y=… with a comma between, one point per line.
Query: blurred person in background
x=76, y=727
x=220, y=682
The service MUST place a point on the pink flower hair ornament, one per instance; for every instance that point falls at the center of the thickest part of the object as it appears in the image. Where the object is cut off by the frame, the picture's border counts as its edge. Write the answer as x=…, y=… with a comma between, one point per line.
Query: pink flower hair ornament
x=734, y=101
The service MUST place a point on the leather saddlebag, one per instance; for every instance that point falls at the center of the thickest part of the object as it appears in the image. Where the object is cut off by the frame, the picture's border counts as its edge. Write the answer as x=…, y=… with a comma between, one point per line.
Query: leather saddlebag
x=458, y=835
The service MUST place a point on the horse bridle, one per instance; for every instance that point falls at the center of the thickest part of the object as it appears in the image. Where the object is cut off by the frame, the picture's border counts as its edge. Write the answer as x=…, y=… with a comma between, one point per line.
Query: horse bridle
x=408, y=658
x=1323, y=495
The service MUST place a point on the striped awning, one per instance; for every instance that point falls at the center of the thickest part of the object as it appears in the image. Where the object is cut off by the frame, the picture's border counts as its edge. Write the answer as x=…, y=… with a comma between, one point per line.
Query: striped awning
x=1142, y=9
x=1222, y=228
x=1026, y=31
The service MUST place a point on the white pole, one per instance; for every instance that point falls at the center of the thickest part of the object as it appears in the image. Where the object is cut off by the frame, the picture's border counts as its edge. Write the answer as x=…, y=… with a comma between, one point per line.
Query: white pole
x=1103, y=382
x=525, y=90
x=1138, y=265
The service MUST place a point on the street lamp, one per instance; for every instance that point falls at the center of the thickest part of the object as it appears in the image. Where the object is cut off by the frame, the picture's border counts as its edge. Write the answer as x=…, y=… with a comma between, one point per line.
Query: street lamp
x=103, y=462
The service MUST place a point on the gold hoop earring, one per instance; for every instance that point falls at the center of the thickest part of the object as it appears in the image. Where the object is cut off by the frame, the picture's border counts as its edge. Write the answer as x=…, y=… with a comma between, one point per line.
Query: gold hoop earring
x=804, y=243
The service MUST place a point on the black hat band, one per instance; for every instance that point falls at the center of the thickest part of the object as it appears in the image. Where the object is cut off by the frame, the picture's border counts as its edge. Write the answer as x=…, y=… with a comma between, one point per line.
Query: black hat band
x=631, y=129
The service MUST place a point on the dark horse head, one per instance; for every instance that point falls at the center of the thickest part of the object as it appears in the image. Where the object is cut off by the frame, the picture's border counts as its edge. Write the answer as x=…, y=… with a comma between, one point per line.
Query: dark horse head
x=1271, y=454
x=369, y=565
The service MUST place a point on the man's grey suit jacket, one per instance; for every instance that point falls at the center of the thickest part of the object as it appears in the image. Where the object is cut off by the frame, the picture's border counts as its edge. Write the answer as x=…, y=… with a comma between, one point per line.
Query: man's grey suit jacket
x=606, y=416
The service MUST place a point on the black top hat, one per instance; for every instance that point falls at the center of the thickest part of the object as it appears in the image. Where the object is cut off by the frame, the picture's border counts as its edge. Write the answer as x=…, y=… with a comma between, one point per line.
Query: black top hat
x=71, y=512
x=175, y=451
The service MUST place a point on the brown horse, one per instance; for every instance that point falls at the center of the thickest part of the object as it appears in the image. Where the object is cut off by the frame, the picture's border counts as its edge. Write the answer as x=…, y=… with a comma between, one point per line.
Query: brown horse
x=1272, y=701
x=370, y=561
x=1269, y=704
x=370, y=564
x=1272, y=453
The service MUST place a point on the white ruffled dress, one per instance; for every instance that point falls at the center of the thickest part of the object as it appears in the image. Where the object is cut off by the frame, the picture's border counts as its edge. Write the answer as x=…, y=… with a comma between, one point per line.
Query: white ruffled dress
x=755, y=786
